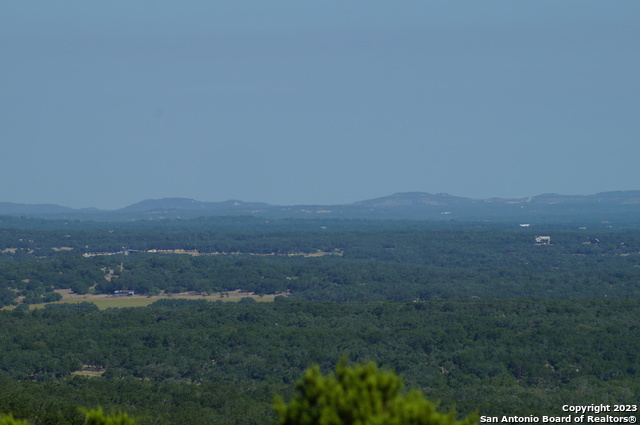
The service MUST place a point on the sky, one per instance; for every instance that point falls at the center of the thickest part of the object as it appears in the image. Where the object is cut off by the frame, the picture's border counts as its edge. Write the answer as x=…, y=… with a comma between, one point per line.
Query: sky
x=105, y=104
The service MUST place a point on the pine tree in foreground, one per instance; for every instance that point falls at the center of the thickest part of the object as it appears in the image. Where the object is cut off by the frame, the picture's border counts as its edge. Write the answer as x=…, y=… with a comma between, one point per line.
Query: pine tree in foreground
x=359, y=395
x=98, y=417
x=9, y=420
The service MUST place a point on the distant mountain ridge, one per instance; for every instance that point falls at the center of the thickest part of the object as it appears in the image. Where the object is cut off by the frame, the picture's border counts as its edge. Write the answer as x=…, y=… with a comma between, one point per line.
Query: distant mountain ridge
x=406, y=205
x=413, y=198
x=188, y=204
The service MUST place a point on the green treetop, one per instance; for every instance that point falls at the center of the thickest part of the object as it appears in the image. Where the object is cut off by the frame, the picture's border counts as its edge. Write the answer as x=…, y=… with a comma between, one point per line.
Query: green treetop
x=359, y=395
x=9, y=420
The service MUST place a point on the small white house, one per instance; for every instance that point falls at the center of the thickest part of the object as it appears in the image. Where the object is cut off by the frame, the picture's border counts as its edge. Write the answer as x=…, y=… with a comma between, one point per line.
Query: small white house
x=543, y=240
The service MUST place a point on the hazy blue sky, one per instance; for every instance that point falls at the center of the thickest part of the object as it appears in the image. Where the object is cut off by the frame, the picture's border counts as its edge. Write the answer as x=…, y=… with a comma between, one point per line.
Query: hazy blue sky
x=287, y=102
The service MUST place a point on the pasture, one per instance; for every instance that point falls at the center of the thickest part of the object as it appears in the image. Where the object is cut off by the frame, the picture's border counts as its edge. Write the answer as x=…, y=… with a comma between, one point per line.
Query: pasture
x=109, y=301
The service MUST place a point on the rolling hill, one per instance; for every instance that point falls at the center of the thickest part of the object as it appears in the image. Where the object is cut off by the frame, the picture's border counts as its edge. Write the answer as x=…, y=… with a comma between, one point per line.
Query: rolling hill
x=617, y=205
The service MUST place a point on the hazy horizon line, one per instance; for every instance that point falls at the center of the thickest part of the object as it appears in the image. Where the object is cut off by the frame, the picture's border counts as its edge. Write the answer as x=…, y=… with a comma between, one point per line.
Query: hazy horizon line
x=307, y=203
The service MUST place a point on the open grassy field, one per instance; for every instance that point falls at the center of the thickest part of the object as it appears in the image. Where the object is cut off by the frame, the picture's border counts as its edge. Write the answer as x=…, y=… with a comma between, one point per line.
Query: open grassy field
x=109, y=301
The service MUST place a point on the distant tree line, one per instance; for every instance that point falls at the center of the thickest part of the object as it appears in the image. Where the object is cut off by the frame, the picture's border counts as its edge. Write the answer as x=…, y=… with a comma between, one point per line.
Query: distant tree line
x=354, y=260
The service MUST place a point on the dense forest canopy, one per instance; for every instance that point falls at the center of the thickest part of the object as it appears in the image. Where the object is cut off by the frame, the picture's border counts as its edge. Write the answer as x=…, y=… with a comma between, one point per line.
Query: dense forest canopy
x=479, y=316
x=225, y=361
x=333, y=260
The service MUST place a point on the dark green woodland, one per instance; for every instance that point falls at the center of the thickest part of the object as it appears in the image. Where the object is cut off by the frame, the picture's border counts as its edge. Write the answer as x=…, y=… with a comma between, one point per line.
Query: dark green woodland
x=476, y=316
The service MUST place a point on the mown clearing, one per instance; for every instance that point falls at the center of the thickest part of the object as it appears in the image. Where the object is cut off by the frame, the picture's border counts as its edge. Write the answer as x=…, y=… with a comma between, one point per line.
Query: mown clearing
x=104, y=301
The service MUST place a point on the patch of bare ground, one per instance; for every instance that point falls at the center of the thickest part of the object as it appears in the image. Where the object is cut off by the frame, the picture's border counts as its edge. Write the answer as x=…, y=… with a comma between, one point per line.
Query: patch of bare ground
x=89, y=371
x=14, y=250
x=196, y=253
x=236, y=295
